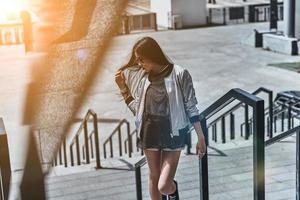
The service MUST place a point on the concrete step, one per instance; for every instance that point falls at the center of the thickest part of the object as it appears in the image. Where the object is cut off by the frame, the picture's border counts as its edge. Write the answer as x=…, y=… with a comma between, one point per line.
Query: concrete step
x=230, y=177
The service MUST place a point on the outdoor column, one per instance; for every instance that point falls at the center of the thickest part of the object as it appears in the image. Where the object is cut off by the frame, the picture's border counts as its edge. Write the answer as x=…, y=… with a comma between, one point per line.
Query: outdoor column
x=27, y=31
x=289, y=18
x=297, y=20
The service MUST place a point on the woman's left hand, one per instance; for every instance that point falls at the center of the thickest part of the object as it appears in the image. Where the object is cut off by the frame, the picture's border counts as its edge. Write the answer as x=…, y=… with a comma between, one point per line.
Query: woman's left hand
x=201, y=147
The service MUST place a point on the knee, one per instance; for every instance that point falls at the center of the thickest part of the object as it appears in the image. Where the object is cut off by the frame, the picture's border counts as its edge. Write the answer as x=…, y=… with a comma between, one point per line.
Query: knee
x=154, y=177
x=165, y=187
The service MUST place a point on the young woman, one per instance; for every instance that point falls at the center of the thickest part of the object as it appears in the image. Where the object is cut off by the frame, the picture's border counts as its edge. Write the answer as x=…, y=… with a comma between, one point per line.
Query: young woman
x=162, y=97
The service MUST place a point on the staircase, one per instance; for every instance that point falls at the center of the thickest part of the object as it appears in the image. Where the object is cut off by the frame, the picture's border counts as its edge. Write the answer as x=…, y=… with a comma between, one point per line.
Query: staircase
x=230, y=158
x=230, y=173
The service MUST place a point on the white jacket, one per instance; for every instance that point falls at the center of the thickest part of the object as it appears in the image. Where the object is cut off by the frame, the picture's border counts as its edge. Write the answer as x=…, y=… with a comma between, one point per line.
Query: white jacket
x=181, y=93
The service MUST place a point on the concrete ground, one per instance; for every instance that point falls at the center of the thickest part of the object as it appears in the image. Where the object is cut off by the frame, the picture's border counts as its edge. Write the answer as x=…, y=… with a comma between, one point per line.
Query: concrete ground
x=216, y=57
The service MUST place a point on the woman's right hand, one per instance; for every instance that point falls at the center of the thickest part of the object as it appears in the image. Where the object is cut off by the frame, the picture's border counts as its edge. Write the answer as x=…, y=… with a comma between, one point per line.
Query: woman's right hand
x=120, y=79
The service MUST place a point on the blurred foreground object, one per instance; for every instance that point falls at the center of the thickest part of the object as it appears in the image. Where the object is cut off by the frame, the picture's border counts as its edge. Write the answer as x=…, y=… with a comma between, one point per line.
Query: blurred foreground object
x=74, y=36
x=5, y=169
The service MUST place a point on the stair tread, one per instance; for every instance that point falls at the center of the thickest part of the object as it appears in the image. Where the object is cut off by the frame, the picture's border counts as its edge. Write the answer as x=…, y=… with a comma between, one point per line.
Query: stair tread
x=231, y=172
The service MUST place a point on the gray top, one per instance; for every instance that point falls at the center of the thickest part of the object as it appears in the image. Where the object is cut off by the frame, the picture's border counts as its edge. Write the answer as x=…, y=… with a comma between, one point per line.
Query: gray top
x=157, y=102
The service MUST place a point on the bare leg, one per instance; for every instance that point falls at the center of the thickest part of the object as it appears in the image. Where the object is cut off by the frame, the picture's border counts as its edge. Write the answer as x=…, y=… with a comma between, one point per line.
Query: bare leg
x=154, y=163
x=170, y=160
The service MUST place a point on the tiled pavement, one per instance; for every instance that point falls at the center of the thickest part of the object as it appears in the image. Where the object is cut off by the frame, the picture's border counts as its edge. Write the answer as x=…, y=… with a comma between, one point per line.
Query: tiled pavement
x=230, y=177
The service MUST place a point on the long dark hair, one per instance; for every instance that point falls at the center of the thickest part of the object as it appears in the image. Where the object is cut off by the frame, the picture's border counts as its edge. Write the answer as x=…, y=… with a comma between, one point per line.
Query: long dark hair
x=148, y=48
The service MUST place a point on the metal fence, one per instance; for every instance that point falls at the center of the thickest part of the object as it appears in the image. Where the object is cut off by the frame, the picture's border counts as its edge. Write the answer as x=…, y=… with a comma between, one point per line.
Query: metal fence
x=242, y=14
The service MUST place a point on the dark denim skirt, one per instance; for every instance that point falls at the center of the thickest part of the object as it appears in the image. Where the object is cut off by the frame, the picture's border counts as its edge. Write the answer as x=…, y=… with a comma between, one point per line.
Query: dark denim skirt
x=155, y=133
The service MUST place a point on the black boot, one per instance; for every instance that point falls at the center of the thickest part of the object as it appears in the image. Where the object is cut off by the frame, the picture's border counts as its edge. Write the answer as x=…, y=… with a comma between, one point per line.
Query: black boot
x=164, y=197
x=175, y=195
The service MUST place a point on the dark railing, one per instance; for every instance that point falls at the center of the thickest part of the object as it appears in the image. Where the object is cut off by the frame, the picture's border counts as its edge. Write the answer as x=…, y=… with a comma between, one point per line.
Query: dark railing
x=258, y=139
x=285, y=109
x=118, y=131
x=75, y=141
x=267, y=110
x=138, y=177
x=280, y=137
x=61, y=158
x=88, y=147
x=136, y=139
x=5, y=169
x=91, y=143
x=230, y=112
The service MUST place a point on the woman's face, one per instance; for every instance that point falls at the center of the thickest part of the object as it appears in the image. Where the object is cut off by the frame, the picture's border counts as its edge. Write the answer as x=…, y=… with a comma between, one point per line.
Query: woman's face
x=145, y=63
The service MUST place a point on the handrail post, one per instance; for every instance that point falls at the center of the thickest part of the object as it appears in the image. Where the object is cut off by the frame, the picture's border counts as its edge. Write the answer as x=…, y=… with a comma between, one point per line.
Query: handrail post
x=275, y=124
x=223, y=130
x=268, y=127
x=111, y=147
x=129, y=140
x=125, y=146
x=83, y=153
x=242, y=129
x=136, y=139
x=92, y=147
x=60, y=156
x=297, y=165
x=120, y=140
x=247, y=122
x=215, y=132
x=212, y=132
x=96, y=138
x=289, y=117
x=104, y=150
x=232, y=126
x=282, y=119
x=139, y=195
x=71, y=155
x=203, y=167
x=65, y=152
x=271, y=114
x=86, y=142
x=259, y=151
x=77, y=149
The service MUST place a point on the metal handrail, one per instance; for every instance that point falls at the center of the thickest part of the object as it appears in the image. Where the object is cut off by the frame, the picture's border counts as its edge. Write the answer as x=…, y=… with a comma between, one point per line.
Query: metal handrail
x=250, y=120
x=138, y=178
x=289, y=107
x=5, y=168
x=234, y=108
x=135, y=132
x=258, y=140
x=275, y=115
x=238, y=105
x=75, y=141
x=282, y=136
x=110, y=141
x=90, y=139
x=288, y=96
